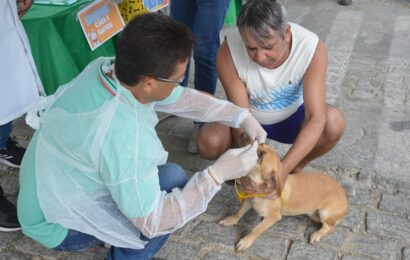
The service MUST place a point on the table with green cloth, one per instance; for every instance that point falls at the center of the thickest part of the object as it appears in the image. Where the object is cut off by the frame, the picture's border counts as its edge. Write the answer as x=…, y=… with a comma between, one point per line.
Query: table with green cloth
x=59, y=47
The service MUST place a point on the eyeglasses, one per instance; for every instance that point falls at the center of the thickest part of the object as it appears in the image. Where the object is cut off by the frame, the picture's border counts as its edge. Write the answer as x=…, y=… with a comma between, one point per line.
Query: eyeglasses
x=179, y=82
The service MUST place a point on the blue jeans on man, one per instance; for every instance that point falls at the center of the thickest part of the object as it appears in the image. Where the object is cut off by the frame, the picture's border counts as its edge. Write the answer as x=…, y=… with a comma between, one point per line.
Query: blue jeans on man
x=171, y=176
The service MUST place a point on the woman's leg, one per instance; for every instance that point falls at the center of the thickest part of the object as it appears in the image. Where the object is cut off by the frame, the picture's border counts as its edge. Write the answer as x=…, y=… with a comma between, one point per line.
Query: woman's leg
x=213, y=140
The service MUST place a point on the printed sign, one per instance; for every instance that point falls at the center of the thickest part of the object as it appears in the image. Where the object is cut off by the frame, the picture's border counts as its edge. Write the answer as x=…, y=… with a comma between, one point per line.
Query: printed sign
x=100, y=21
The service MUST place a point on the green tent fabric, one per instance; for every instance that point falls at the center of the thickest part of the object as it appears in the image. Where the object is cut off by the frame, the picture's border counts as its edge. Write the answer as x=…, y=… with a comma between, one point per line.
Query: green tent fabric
x=58, y=44
x=233, y=11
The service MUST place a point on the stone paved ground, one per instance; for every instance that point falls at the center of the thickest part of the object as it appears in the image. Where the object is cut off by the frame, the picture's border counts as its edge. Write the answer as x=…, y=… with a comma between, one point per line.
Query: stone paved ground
x=369, y=80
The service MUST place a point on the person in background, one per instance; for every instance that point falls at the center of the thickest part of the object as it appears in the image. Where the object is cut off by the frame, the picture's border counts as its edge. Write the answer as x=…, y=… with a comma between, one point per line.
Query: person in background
x=19, y=88
x=277, y=70
x=205, y=19
x=96, y=170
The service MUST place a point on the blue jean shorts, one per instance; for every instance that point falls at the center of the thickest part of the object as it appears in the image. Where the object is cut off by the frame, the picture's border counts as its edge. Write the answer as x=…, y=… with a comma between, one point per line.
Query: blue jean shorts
x=287, y=130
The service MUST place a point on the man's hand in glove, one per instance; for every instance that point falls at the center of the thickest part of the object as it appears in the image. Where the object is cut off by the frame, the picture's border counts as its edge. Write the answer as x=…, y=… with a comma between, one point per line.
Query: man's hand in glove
x=234, y=163
x=253, y=129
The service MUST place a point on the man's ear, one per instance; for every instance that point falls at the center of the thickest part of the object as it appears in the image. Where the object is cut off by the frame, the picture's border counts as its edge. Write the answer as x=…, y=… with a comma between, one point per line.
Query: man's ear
x=147, y=84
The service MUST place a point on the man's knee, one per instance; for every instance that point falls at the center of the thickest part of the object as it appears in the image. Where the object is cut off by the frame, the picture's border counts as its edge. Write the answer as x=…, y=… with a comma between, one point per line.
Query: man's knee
x=171, y=175
x=179, y=175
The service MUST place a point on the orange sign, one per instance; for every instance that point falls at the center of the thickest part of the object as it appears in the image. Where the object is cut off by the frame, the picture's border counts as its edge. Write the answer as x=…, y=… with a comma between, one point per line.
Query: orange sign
x=100, y=21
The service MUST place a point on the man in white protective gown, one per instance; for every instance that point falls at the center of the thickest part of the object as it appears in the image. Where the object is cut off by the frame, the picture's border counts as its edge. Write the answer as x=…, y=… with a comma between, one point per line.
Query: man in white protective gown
x=96, y=170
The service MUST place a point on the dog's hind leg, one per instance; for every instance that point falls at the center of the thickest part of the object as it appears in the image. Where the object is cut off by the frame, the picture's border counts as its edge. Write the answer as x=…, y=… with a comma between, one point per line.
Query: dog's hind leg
x=234, y=219
x=318, y=235
x=266, y=223
x=329, y=221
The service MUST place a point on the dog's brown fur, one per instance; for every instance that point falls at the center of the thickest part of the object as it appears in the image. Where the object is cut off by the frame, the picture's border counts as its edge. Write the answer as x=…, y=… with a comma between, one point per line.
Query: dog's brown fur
x=314, y=194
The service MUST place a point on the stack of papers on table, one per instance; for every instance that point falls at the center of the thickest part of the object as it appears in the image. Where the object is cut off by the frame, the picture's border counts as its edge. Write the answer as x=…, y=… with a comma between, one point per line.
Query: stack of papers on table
x=55, y=2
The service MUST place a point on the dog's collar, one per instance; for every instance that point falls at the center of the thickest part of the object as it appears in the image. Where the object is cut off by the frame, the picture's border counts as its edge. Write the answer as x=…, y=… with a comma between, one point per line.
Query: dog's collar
x=242, y=195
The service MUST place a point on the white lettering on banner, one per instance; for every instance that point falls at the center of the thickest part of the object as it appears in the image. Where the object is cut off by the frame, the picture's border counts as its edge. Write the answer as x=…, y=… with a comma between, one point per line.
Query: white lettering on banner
x=105, y=28
x=101, y=21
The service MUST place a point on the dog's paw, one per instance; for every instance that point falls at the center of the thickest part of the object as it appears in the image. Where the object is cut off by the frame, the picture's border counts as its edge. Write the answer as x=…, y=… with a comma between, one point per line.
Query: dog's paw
x=229, y=221
x=315, y=237
x=245, y=243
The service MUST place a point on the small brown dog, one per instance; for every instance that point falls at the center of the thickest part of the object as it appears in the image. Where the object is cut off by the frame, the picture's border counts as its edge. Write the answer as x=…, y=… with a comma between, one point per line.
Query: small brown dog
x=317, y=195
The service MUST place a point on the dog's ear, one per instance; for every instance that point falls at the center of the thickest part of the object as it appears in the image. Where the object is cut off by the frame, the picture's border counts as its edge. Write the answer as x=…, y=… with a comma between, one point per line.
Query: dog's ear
x=260, y=153
x=276, y=171
x=278, y=180
x=270, y=182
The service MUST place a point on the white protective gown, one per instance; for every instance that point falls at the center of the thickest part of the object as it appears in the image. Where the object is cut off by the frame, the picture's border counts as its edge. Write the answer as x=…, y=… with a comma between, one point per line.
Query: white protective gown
x=19, y=81
x=73, y=188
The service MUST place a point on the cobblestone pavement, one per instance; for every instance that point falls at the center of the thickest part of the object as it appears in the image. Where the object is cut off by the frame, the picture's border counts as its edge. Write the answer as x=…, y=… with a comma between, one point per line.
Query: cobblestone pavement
x=368, y=79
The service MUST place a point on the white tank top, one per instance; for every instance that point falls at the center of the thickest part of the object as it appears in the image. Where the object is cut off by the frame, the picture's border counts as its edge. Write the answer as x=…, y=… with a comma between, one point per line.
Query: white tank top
x=274, y=94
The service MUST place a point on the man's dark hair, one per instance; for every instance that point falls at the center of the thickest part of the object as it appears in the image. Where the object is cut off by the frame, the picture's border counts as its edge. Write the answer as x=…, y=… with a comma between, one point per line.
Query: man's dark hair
x=151, y=45
x=260, y=16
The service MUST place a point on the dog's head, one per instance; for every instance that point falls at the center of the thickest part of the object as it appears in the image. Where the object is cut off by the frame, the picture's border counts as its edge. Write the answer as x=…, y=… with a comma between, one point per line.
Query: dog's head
x=265, y=176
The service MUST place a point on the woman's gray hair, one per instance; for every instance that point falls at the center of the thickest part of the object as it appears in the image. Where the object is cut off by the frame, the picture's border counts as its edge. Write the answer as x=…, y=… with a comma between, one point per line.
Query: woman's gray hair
x=258, y=17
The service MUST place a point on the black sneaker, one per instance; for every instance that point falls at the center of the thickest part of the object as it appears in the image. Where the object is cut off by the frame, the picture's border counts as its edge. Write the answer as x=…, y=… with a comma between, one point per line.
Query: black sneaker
x=12, y=154
x=8, y=216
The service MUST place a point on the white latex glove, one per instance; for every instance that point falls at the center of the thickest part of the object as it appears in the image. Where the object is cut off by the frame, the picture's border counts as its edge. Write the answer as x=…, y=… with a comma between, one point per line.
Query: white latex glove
x=253, y=129
x=234, y=163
